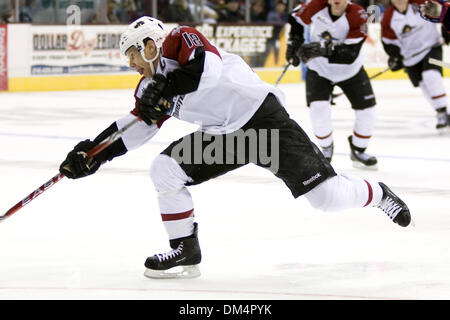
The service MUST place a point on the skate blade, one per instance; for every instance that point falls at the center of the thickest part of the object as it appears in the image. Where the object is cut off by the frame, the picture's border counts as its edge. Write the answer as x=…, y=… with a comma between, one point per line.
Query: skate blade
x=178, y=272
x=443, y=131
x=359, y=165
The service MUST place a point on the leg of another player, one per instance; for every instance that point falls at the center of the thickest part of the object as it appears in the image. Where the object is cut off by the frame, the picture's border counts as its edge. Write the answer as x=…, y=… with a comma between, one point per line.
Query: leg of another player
x=320, y=114
x=433, y=89
x=359, y=140
x=318, y=98
x=359, y=92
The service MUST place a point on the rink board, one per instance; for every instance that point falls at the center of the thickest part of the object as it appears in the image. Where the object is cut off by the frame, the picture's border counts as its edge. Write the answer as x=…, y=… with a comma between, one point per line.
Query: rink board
x=128, y=81
x=66, y=58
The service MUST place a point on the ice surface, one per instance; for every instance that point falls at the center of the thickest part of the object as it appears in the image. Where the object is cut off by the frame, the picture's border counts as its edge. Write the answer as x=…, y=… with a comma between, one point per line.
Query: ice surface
x=88, y=239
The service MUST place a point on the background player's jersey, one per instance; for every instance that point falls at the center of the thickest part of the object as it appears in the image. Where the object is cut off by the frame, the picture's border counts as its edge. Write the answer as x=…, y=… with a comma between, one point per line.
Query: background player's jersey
x=350, y=28
x=409, y=32
x=220, y=92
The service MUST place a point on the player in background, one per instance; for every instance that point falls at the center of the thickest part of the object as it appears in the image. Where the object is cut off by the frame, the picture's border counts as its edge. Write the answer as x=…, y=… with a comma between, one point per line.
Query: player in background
x=334, y=58
x=186, y=77
x=436, y=11
x=409, y=42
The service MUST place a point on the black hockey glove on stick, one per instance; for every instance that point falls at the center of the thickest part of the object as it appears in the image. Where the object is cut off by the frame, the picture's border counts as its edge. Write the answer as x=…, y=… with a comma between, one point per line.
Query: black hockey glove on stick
x=78, y=164
x=96, y=150
x=151, y=106
x=316, y=49
x=395, y=63
x=294, y=43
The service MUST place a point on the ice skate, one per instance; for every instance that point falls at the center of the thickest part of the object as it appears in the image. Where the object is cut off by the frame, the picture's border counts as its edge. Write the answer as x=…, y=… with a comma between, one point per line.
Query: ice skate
x=442, y=120
x=360, y=158
x=181, y=262
x=394, y=207
x=328, y=151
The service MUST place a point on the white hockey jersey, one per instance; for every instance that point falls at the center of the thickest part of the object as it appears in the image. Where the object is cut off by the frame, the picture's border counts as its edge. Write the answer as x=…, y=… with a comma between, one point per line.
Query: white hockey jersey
x=350, y=28
x=229, y=91
x=413, y=35
x=228, y=95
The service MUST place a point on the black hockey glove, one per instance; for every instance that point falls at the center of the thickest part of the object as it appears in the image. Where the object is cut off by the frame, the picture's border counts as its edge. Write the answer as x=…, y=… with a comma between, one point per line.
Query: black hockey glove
x=151, y=106
x=292, y=51
x=316, y=49
x=395, y=63
x=77, y=163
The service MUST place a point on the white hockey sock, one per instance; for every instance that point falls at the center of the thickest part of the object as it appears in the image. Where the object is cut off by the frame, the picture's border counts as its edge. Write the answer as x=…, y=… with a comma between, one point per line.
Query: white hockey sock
x=433, y=89
x=344, y=191
x=423, y=87
x=320, y=114
x=363, y=127
x=175, y=201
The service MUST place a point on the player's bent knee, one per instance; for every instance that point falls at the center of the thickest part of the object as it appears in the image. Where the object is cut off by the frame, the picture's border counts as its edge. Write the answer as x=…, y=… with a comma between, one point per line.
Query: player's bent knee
x=167, y=174
x=320, y=111
x=366, y=114
x=338, y=193
x=365, y=120
x=321, y=197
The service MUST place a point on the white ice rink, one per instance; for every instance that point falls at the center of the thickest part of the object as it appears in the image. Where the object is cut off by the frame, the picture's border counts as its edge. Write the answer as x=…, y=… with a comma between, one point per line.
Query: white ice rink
x=89, y=238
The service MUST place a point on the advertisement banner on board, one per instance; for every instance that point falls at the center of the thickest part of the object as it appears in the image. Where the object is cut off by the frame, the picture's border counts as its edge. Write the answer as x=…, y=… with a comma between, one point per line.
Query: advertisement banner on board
x=260, y=45
x=3, y=57
x=67, y=50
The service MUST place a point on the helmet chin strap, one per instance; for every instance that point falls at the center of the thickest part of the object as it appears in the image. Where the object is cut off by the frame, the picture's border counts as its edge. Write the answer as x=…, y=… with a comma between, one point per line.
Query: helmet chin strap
x=150, y=61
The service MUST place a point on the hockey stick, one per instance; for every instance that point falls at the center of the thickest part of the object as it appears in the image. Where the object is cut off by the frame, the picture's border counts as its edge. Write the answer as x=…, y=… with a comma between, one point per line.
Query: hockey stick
x=95, y=150
x=282, y=73
x=439, y=63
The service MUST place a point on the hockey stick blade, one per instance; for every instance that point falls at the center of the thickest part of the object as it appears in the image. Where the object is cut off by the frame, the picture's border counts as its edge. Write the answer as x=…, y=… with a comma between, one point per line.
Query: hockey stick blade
x=439, y=63
x=101, y=146
x=32, y=196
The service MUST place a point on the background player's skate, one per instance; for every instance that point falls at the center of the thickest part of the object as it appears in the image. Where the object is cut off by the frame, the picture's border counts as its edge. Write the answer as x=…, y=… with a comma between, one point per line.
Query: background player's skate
x=443, y=120
x=360, y=158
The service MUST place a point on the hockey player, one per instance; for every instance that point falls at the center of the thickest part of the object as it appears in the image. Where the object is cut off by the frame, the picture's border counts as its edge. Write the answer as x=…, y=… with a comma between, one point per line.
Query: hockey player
x=334, y=58
x=410, y=41
x=219, y=91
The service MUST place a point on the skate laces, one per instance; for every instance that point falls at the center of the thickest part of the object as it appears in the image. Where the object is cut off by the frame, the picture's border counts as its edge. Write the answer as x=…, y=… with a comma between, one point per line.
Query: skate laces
x=390, y=207
x=171, y=254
